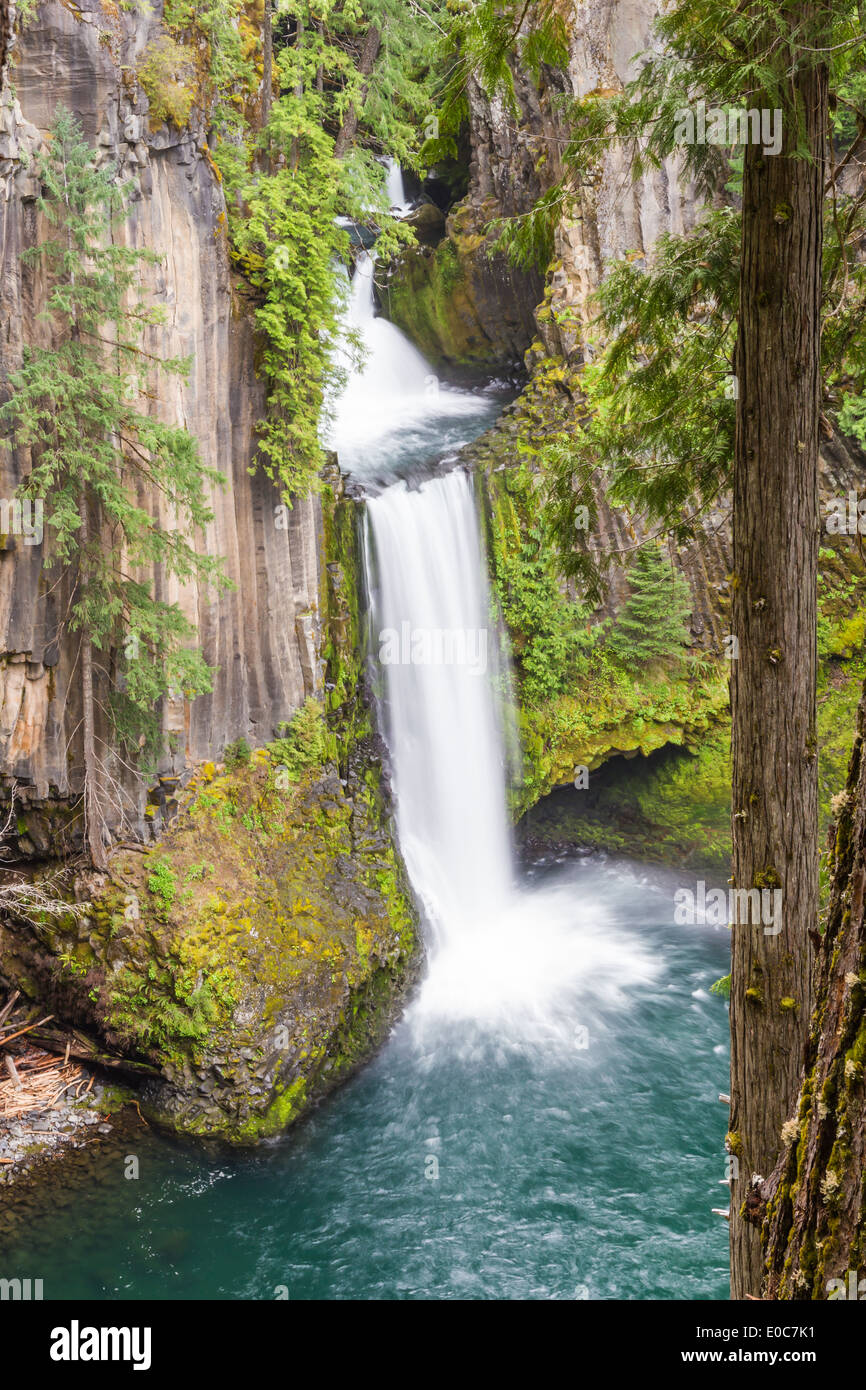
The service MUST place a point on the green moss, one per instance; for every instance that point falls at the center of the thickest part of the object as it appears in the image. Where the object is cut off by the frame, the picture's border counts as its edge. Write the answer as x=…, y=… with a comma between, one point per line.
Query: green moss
x=167, y=74
x=671, y=806
x=342, y=641
x=303, y=922
x=282, y=1111
x=430, y=296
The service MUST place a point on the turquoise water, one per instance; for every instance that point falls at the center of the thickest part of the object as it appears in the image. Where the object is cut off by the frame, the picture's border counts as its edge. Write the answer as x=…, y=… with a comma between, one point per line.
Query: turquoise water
x=570, y=1165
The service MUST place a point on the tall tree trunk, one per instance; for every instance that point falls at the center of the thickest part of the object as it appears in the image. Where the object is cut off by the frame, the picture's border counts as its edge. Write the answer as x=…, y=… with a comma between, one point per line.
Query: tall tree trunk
x=295, y=153
x=775, y=552
x=349, y=128
x=92, y=794
x=267, y=62
x=816, y=1197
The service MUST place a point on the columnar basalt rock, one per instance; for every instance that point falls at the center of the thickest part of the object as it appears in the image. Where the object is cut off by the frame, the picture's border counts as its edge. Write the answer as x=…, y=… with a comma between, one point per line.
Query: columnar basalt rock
x=516, y=156
x=261, y=636
x=617, y=215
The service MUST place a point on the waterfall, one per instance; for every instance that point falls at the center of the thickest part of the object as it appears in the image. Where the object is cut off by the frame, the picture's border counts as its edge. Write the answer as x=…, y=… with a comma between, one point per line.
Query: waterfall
x=506, y=957
x=395, y=394
x=397, y=199
x=434, y=639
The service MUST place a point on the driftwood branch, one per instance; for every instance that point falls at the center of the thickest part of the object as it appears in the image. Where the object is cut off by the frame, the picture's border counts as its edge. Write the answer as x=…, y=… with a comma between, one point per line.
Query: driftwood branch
x=28, y=1029
x=83, y=1049
x=10, y=1067
x=9, y=1006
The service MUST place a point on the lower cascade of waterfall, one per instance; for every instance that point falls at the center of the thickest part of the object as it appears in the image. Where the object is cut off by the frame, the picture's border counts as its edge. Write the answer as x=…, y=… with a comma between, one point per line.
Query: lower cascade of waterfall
x=500, y=954
x=543, y=1122
x=497, y=953
x=431, y=637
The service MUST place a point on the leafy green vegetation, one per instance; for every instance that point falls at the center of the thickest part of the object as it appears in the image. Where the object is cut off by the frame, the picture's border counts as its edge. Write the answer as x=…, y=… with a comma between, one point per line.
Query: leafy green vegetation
x=166, y=73
x=161, y=883
x=162, y=1008
x=304, y=742
x=480, y=42
x=237, y=754
x=550, y=640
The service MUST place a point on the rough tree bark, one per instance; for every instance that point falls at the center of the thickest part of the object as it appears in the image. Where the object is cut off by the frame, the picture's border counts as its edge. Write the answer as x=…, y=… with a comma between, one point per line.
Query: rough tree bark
x=816, y=1196
x=295, y=152
x=93, y=817
x=775, y=551
x=267, y=63
x=349, y=128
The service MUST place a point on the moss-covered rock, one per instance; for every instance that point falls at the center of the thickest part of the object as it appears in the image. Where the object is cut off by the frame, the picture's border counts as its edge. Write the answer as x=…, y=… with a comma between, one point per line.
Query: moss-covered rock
x=254, y=956
x=462, y=304
x=244, y=964
x=672, y=807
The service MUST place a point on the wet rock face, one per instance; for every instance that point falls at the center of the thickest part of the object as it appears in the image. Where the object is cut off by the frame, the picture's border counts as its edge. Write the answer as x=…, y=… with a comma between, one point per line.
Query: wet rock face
x=263, y=635
x=617, y=214
x=516, y=157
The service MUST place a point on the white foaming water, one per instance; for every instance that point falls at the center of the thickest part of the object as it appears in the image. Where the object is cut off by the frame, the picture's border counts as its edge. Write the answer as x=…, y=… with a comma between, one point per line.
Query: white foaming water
x=397, y=199
x=514, y=963
x=395, y=389
x=523, y=960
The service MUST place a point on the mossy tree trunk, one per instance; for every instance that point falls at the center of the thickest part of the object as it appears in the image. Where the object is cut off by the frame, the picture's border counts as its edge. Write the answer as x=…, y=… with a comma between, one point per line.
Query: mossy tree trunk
x=775, y=552
x=93, y=809
x=815, y=1229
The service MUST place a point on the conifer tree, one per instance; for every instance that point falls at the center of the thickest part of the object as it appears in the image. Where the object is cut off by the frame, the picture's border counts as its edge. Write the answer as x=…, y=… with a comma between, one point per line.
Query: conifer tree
x=651, y=626
x=95, y=455
x=814, y=1202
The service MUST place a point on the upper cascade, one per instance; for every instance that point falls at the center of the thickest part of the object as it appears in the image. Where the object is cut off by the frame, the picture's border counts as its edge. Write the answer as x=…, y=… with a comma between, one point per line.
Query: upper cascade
x=399, y=204
x=393, y=392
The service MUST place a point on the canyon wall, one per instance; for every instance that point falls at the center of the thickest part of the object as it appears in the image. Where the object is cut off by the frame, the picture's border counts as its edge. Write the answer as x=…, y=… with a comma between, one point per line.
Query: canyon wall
x=262, y=635
x=516, y=156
